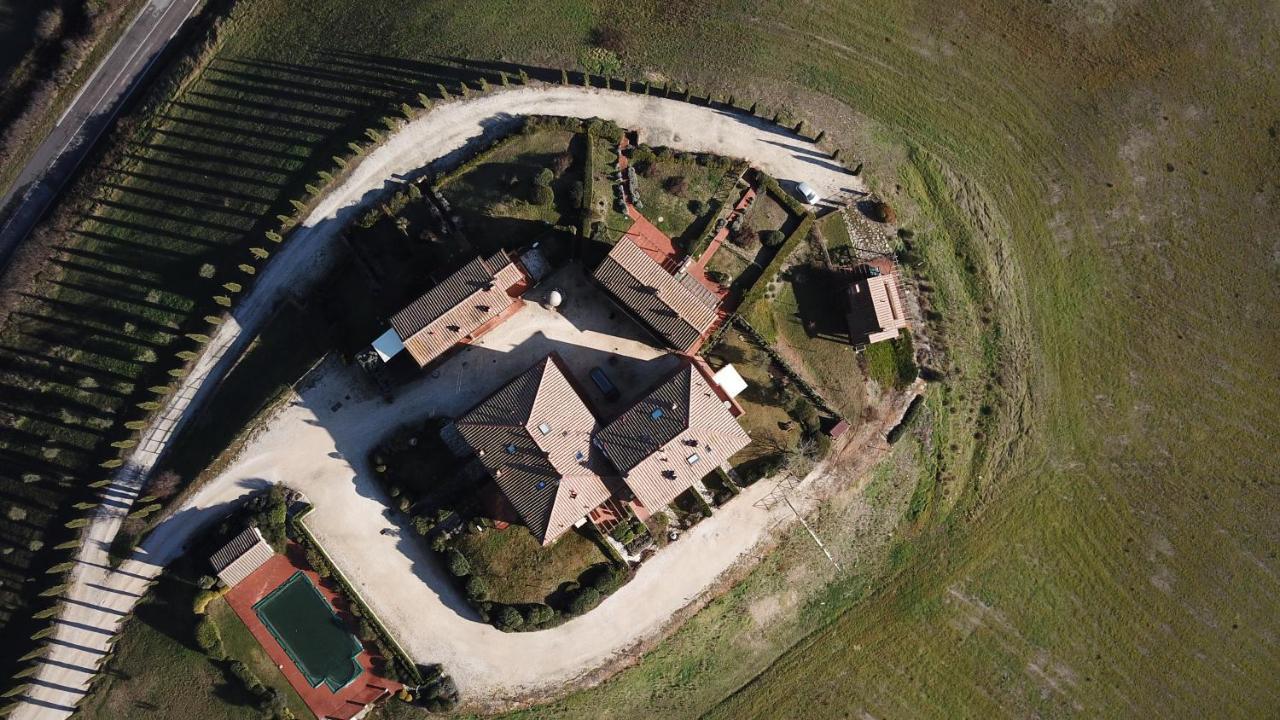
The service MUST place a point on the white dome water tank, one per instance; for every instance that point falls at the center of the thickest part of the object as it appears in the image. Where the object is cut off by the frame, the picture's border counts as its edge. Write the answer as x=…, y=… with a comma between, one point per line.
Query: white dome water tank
x=555, y=298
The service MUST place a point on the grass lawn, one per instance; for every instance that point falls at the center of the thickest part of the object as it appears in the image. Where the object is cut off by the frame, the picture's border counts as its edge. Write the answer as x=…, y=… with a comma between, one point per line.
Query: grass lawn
x=495, y=198
x=813, y=335
x=157, y=671
x=519, y=570
x=671, y=212
x=834, y=230
x=765, y=416
x=240, y=644
x=891, y=363
x=766, y=213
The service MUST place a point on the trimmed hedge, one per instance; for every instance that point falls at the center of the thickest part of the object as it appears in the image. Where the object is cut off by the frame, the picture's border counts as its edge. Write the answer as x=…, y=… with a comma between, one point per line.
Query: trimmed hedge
x=756, y=293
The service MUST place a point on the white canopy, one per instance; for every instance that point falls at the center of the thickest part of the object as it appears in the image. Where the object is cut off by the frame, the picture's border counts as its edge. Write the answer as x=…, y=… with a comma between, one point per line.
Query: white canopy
x=730, y=381
x=388, y=345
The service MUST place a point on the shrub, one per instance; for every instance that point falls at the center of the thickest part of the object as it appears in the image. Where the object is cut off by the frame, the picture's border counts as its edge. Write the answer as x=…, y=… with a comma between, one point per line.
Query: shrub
x=457, y=563
x=742, y=235
x=508, y=618
x=423, y=524
x=538, y=614
x=883, y=212
x=561, y=162
x=804, y=411
x=246, y=676
x=697, y=207
x=477, y=588
x=317, y=562
x=677, y=185
x=586, y=599
x=719, y=277
x=542, y=195
x=208, y=638
x=577, y=194
x=201, y=603
x=544, y=177
x=772, y=238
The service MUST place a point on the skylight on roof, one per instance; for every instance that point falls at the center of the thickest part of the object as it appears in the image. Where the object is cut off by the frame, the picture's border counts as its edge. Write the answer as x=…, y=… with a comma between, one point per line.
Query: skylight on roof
x=544, y=428
x=692, y=459
x=511, y=449
x=656, y=414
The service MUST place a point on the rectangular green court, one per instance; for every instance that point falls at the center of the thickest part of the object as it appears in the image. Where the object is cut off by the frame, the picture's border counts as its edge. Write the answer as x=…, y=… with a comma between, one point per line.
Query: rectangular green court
x=312, y=634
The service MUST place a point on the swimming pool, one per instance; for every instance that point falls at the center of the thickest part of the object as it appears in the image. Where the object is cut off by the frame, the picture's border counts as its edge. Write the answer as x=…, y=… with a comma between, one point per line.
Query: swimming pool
x=306, y=626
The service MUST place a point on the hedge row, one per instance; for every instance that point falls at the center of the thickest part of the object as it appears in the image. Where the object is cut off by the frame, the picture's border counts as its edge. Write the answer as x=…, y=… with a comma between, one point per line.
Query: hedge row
x=588, y=183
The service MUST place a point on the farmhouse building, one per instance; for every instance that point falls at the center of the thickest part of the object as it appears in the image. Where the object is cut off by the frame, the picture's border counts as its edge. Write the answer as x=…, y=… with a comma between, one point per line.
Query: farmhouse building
x=673, y=436
x=458, y=310
x=554, y=462
x=876, y=311
x=677, y=309
x=533, y=437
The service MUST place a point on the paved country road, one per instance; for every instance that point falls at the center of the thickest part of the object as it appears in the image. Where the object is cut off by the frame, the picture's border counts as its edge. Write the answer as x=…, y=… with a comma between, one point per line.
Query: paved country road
x=300, y=445
x=88, y=115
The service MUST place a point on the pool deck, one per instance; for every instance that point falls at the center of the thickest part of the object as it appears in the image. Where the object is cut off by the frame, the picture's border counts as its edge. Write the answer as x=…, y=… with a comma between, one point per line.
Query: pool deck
x=321, y=700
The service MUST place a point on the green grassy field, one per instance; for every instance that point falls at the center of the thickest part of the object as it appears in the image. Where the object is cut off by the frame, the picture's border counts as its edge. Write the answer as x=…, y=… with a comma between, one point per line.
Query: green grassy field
x=1087, y=526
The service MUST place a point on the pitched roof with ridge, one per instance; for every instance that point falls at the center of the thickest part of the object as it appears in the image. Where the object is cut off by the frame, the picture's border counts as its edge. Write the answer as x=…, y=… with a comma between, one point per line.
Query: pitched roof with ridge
x=672, y=437
x=245, y=553
x=881, y=293
x=672, y=309
x=456, y=307
x=533, y=435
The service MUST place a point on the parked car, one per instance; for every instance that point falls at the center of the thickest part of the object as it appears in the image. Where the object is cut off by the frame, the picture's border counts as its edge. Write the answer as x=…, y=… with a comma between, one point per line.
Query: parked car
x=606, y=385
x=807, y=193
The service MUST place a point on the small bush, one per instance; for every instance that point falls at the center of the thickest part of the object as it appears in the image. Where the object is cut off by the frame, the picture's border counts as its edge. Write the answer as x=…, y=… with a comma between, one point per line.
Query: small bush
x=697, y=207
x=586, y=599
x=477, y=588
x=317, y=562
x=538, y=614
x=544, y=177
x=542, y=195
x=677, y=185
x=209, y=639
x=458, y=564
x=508, y=618
x=772, y=238
x=560, y=163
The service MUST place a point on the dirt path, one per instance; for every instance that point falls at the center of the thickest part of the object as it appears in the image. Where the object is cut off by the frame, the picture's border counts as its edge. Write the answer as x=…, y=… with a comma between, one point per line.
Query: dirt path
x=483, y=660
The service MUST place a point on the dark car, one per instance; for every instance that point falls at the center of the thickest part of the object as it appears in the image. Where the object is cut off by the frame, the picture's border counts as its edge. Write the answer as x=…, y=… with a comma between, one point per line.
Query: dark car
x=606, y=385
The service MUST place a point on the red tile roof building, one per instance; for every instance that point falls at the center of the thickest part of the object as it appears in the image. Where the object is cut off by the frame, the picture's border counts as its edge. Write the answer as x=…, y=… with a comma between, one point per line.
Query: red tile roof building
x=461, y=308
x=676, y=308
x=876, y=309
x=533, y=435
x=554, y=462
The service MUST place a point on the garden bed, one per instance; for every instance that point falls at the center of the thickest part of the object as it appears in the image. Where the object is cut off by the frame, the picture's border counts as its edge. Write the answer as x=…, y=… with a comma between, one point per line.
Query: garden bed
x=678, y=191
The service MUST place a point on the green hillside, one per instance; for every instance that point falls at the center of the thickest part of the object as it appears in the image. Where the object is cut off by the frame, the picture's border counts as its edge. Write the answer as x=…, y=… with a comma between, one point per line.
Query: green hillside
x=1089, y=526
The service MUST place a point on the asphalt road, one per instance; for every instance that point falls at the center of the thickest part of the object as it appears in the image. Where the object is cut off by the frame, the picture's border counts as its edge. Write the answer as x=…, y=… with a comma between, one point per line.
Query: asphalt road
x=85, y=119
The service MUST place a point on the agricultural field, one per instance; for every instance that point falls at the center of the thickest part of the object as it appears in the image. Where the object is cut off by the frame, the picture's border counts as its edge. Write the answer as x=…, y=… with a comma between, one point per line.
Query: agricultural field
x=1082, y=517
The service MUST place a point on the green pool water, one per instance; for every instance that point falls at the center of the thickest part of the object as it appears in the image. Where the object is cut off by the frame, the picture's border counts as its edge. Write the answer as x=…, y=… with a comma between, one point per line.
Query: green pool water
x=309, y=630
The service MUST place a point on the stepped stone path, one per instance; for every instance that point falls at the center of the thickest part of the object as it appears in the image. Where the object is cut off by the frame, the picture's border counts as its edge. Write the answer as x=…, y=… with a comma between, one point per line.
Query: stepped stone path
x=485, y=662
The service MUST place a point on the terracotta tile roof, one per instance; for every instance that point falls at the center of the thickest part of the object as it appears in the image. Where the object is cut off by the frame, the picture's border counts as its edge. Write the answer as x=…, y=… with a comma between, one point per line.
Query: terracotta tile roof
x=452, y=310
x=533, y=436
x=237, y=559
x=672, y=309
x=876, y=296
x=672, y=437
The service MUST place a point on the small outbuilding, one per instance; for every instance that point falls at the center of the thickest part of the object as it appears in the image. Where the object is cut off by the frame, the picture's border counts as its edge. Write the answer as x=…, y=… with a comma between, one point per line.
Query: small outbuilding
x=239, y=558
